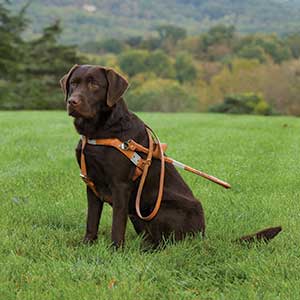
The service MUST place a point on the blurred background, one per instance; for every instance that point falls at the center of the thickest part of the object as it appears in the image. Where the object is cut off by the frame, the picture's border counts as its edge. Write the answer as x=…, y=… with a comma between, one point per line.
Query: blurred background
x=179, y=55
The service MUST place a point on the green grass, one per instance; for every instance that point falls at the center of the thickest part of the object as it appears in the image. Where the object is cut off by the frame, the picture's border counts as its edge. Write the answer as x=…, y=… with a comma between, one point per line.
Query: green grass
x=43, y=206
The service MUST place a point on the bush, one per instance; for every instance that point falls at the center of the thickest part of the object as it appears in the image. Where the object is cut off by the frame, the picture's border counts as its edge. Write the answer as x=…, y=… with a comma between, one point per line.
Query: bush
x=161, y=95
x=247, y=103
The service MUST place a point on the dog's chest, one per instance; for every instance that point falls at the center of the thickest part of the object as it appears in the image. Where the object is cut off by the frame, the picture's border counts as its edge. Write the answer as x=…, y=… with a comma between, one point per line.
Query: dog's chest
x=105, y=166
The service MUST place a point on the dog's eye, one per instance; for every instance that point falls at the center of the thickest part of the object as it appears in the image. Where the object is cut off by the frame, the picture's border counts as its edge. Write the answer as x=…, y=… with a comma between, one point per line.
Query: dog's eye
x=74, y=84
x=93, y=84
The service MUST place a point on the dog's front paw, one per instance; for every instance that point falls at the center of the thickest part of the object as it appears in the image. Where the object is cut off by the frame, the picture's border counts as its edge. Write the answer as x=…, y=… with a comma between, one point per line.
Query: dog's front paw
x=88, y=240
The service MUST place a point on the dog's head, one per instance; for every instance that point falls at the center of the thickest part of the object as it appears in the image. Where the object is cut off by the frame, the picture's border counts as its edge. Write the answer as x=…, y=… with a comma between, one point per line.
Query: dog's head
x=91, y=89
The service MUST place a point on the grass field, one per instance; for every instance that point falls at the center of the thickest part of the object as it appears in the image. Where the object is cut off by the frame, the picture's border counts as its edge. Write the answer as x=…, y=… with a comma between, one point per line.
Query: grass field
x=43, y=206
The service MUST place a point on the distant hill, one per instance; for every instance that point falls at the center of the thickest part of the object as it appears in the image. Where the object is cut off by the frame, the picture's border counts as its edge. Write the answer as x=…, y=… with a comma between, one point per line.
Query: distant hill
x=93, y=20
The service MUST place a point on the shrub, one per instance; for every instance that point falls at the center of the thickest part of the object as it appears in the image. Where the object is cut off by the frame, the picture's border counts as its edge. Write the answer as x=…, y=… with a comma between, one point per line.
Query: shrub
x=247, y=103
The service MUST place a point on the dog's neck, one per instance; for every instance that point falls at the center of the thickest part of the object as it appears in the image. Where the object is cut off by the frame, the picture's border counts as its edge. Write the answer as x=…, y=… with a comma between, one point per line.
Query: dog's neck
x=106, y=124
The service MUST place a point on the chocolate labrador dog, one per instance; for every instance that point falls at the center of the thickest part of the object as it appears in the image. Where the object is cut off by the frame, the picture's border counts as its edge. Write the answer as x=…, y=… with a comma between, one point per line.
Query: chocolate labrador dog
x=94, y=99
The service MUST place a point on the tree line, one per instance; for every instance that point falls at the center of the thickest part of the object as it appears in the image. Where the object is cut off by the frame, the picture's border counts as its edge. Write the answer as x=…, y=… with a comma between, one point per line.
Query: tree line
x=168, y=70
x=94, y=20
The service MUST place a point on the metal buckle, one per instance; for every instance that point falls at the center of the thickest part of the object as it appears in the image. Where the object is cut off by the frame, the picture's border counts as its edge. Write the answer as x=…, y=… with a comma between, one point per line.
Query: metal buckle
x=125, y=145
x=83, y=177
x=91, y=142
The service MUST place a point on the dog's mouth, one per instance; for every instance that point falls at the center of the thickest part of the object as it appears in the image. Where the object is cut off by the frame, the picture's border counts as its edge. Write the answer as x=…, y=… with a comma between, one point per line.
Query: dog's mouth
x=73, y=112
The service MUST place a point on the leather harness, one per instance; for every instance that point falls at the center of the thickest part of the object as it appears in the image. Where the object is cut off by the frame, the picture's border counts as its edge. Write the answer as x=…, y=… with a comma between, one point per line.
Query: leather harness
x=130, y=149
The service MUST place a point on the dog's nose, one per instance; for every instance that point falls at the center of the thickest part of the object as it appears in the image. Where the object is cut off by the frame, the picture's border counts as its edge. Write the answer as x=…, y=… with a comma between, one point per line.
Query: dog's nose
x=73, y=101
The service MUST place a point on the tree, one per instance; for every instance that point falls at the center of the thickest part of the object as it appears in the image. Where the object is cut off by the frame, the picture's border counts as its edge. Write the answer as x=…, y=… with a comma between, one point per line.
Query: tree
x=35, y=67
x=104, y=46
x=216, y=43
x=185, y=67
x=11, y=54
x=49, y=57
x=171, y=32
x=217, y=35
x=133, y=62
x=253, y=52
x=134, y=41
x=163, y=95
x=293, y=42
x=159, y=63
x=273, y=46
x=46, y=62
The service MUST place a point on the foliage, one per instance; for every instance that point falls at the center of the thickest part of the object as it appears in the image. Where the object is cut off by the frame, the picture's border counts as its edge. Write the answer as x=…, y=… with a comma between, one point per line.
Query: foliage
x=105, y=46
x=160, y=64
x=32, y=83
x=253, y=52
x=278, y=84
x=121, y=20
x=263, y=45
x=161, y=95
x=207, y=66
x=185, y=67
x=217, y=35
x=216, y=44
x=11, y=44
x=293, y=42
x=133, y=62
x=248, y=103
x=169, y=35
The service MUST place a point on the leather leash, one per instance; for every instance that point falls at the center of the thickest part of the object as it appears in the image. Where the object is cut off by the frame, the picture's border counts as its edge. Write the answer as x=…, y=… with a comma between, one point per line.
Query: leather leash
x=144, y=175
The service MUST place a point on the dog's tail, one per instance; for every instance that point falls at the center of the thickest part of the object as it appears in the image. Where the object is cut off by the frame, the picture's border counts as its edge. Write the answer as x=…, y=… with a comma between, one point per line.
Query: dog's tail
x=264, y=235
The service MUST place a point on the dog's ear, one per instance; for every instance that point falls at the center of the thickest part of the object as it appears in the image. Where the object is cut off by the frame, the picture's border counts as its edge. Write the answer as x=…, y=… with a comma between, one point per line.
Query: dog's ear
x=64, y=81
x=117, y=85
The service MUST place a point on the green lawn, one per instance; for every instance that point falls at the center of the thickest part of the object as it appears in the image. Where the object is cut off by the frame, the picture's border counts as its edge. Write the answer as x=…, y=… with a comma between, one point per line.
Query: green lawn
x=43, y=206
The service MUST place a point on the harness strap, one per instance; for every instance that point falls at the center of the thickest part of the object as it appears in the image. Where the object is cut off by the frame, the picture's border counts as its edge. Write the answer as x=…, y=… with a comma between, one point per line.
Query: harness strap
x=83, y=173
x=122, y=147
x=142, y=166
x=132, y=145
